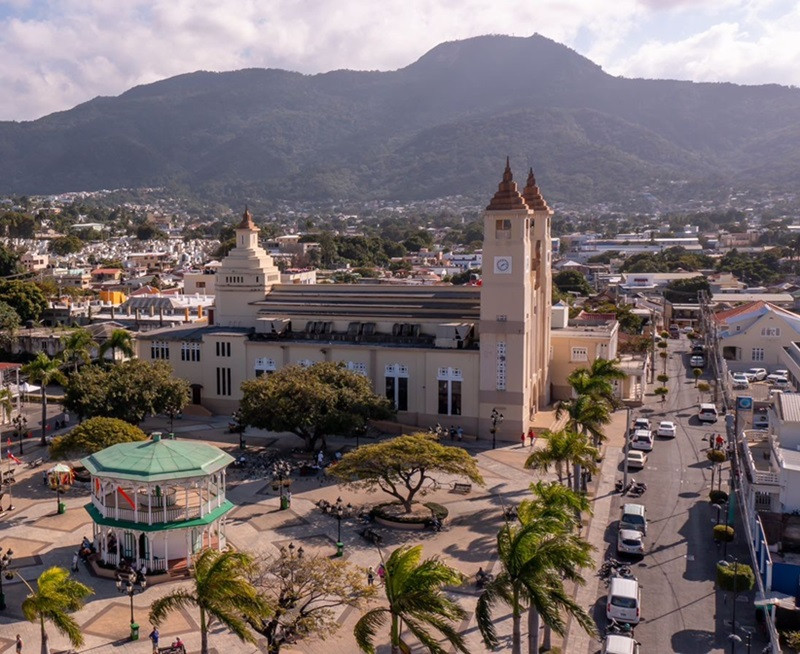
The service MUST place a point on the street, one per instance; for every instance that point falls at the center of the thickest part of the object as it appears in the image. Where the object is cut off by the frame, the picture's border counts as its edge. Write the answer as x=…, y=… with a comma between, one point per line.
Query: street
x=681, y=609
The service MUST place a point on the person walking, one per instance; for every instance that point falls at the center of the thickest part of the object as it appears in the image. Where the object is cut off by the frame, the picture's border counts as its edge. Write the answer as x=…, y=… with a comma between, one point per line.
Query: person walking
x=75, y=562
x=19, y=645
x=370, y=576
x=522, y=438
x=382, y=573
x=154, y=638
x=460, y=433
x=531, y=436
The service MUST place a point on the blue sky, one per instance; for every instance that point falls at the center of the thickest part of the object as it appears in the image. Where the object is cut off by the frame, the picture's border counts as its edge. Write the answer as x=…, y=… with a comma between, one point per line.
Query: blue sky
x=55, y=54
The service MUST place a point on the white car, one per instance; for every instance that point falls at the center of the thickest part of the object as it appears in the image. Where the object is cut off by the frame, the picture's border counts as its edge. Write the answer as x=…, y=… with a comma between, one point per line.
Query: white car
x=781, y=373
x=630, y=541
x=642, y=440
x=641, y=423
x=620, y=644
x=697, y=361
x=777, y=381
x=636, y=459
x=756, y=374
x=740, y=381
x=667, y=428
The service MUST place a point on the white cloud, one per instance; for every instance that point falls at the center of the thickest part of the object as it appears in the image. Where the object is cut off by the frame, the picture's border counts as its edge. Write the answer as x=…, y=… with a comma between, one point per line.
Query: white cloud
x=57, y=53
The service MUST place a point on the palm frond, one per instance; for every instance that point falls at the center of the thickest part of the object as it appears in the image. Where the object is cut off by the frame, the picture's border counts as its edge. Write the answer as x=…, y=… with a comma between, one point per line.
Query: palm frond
x=66, y=625
x=178, y=599
x=366, y=628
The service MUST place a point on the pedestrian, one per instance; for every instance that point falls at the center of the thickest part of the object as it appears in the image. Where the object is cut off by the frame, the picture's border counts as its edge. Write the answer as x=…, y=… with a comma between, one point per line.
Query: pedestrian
x=452, y=432
x=320, y=456
x=531, y=436
x=523, y=439
x=75, y=562
x=288, y=497
x=382, y=573
x=460, y=433
x=154, y=638
x=19, y=645
x=44, y=478
x=370, y=576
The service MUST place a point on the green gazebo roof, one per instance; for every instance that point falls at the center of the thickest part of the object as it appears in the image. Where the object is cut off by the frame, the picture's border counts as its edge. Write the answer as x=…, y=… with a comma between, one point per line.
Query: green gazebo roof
x=157, y=460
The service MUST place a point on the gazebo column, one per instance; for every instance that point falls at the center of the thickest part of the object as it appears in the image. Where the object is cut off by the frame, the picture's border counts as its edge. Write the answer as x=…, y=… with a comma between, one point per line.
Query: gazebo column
x=149, y=553
x=186, y=495
x=116, y=502
x=188, y=547
x=136, y=504
x=166, y=550
x=220, y=487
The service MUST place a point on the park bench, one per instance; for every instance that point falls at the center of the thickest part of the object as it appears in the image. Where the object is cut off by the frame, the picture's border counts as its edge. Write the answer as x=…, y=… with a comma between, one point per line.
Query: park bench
x=36, y=463
x=172, y=650
x=462, y=488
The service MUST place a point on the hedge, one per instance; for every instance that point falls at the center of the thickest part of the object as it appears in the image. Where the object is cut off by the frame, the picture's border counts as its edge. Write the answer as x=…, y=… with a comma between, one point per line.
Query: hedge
x=718, y=496
x=716, y=456
x=723, y=533
x=741, y=574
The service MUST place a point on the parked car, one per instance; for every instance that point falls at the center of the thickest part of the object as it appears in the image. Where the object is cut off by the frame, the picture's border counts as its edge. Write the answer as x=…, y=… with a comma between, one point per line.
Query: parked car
x=667, y=428
x=630, y=541
x=698, y=348
x=636, y=459
x=642, y=439
x=707, y=413
x=624, y=601
x=739, y=381
x=697, y=361
x=634, y=516
x=756, y=374
x=687, y=329
x=761, y=421
x=782, y=372
x=620, y=644
x=674, y=332
x=777, y=381
x=641, y=423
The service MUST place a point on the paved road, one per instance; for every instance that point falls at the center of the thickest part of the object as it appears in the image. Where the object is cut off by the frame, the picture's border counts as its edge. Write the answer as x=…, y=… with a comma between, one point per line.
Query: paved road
x=682, y=610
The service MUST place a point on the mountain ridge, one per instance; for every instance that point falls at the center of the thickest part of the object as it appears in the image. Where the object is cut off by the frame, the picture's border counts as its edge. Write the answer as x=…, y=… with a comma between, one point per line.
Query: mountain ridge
x=435, y=127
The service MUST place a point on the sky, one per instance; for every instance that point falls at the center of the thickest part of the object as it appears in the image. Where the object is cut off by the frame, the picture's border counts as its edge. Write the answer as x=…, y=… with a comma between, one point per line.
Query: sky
x=55, y=54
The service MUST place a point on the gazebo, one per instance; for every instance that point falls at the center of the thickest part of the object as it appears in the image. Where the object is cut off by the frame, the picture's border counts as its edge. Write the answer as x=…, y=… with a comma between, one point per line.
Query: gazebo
x=156, y=503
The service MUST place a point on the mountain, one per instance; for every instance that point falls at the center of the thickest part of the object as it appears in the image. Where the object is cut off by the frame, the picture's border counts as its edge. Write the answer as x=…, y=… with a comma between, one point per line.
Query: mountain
x=440, y=126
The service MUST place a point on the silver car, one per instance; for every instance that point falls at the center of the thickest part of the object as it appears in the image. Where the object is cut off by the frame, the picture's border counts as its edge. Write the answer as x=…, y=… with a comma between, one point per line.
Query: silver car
x=630, y=541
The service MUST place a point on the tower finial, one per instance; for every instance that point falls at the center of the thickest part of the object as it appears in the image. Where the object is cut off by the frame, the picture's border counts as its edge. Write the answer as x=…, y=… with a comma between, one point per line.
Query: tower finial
x=247, y=221
x=507, y=196
x=533, y=197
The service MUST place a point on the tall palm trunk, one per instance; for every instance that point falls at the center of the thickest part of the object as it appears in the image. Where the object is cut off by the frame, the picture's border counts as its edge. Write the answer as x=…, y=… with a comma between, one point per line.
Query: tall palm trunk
x=45, y=639
x=533, y=630
x=516, y=626
x=203, y=632
x=395, y=634
x=547, y=643
x=44, y=415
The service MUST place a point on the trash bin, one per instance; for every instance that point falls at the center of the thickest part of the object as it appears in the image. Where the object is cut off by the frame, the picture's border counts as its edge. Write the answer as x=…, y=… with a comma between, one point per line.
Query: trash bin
x=62, y=507
x=284, y=503
x=134, y=631
x=340, y=548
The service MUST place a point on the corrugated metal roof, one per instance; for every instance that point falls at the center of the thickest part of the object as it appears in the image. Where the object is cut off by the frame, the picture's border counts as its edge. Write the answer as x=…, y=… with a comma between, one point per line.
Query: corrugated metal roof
x=789, y=407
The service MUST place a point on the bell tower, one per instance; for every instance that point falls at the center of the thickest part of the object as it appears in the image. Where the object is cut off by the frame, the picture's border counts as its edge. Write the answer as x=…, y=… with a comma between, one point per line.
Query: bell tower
x=506, y=308
x=246, y=275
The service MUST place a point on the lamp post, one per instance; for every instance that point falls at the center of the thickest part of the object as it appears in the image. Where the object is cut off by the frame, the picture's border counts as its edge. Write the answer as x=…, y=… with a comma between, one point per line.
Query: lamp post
x=497, y=418
x=20, y=423
x=718, y=507
x=128, y=587
x=282, y=469
x=733, y=637
x=5, y=561
x=341, y=511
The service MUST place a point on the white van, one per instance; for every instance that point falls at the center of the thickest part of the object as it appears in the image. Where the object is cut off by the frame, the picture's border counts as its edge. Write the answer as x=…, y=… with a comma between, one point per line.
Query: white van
x=624, y=602
x=619, y=644
x=707, y=413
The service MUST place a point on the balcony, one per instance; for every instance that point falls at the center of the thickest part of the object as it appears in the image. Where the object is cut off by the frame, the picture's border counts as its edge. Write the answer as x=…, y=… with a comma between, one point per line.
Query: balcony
x=171, y=507
x=759, y=455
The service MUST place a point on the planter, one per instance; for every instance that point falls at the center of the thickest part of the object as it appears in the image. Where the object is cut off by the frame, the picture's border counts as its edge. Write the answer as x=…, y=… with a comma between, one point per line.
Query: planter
x=408, y=526
x=384, y=515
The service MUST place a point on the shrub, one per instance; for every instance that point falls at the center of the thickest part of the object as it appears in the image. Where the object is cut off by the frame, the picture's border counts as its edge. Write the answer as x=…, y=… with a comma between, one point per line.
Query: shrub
x=385, y=511
x=718, y=496
x=737, y=577
x=663, y=378
x=723, y=533
x=437, y=510
x=716, y=456
x=94, y=435
x=792, y=639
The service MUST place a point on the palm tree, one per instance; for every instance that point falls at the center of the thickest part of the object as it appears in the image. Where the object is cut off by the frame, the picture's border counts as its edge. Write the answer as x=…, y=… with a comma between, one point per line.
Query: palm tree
x=583, y=383
x=586, y=415
x=58, y=594
x=78, y=345
x=121, y=340
x=564, y=448
x=6, y=403
x=44, y=370
x=607, y=370
x=536, y=557
x=414, y=591
x=222, y=592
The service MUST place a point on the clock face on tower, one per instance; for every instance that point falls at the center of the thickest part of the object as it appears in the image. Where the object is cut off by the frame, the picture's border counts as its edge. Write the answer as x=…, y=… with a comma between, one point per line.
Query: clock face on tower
x=502, y=265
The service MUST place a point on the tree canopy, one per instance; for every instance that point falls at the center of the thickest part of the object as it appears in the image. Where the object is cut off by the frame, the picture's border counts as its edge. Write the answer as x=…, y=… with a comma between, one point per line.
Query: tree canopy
x=685, y=291
x=9, y=261
x=24, y=297
x=572, y=281
x=312, y=402
x=400, y=466
x=64, y=245
x=94, y=435
x=128, y=391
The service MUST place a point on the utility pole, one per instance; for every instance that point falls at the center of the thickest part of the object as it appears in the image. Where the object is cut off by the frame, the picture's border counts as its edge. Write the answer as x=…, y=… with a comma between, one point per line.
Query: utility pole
x=625, y=448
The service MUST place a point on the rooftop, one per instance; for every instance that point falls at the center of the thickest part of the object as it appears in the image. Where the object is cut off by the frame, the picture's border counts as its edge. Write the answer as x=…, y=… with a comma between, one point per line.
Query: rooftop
x=157, y=460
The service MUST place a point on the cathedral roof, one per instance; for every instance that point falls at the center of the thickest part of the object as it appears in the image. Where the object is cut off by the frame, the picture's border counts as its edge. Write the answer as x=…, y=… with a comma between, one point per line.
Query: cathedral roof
x=507, y=198
x=247, y=221
x=532, y=195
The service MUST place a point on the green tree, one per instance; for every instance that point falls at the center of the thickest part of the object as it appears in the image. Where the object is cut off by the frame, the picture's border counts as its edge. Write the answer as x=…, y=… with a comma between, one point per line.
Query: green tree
x=312, y=402
x=572, y=281
x=221, y=590
x=536, y=558
x=24, y=297
x=305, y=593
x=78, y=345
x=85, y=392
x=399, y=466
x=663, y=378
x=585, y=415
x=148, y=231
x=64, y=245
x=697, y=372
x=662, y=391
x=9, y=261
x=9, y=324
x=685, y=291
x=44, y=371
x=6, y=404
x=415, y=598
x=120, y=339
x=56, y=596
x=94, y=435
x=173, y=395
x=564, y=448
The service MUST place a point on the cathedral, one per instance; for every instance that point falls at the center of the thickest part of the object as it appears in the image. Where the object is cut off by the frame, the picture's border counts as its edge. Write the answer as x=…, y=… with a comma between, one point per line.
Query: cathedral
x=442, y=354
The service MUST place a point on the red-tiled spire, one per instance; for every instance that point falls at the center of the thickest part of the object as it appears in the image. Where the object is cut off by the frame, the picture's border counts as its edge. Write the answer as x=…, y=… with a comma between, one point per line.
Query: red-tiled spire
x=507, y=197
x=533, y=198
x=247, y=221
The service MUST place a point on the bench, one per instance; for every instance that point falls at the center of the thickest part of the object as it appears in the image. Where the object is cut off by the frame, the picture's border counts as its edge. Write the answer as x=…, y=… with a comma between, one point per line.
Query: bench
x=172, y=650
x=462, y=488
